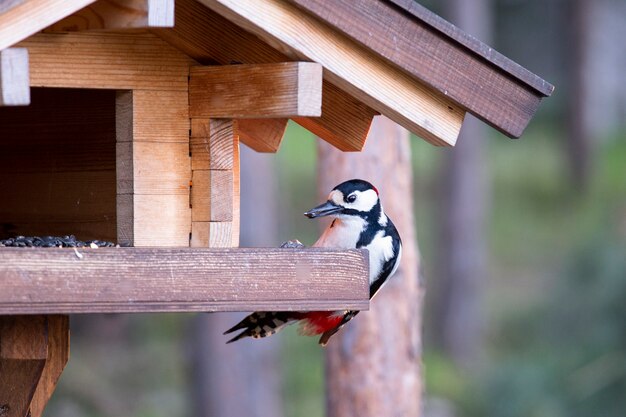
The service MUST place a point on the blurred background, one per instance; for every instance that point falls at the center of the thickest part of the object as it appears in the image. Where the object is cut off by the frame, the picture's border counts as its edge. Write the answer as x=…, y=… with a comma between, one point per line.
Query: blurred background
x=523, y=249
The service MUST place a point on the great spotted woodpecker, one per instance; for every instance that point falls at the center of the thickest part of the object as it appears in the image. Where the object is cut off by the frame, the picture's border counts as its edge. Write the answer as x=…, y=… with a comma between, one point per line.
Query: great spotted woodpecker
x=358, y=222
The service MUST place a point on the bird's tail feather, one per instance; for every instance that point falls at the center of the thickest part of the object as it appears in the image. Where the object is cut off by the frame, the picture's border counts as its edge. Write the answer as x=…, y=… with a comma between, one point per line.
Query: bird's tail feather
x=262, y=324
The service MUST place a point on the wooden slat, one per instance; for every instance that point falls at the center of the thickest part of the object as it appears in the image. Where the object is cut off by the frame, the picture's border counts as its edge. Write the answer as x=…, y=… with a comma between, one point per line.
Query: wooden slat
x=209, y=38
x=152, y=176
x=23, y=354
x=24, y=18
x=118, y=14
x=106, y=60
x=263, y=135
x=64, y=281
x=288, y=89
x=58, y=355
x=358, y=71
x=487, y=84
x=14, y=84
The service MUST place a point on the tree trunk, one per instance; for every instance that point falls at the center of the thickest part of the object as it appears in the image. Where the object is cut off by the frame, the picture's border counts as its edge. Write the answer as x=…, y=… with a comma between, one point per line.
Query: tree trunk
x=373, y=364
x=240, y=379
x=578, y=141
x=461, y=267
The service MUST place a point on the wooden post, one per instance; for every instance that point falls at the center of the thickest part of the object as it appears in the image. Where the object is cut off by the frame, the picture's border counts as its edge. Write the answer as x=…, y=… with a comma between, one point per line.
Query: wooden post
x=373, y=364
x=58, y=355
x=23, y=354
x=215, y=183
x=153, y=168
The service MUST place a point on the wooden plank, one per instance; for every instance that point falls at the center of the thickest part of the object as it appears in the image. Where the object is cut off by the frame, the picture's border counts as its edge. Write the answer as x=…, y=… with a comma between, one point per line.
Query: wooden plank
x=287, y=89
x=211, y=144
x=58, y=355
x=152, y=177
x=355, y=69
x=118, y=14
x=209, y=38
x=476, y=46
x=23, y=354
x=14, y=84
x=191, y=279
x=488, y=85
x=24, y=18
x=157, y=168
x=106, y=60
x=153, y=220
x=264, y=135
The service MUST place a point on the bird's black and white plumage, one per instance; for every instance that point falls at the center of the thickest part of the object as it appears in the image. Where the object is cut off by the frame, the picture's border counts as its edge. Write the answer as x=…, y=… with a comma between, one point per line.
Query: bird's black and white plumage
x=359, y=221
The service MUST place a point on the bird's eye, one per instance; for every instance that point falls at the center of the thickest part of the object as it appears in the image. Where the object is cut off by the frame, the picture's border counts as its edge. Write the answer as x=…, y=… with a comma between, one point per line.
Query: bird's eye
x=351, y=198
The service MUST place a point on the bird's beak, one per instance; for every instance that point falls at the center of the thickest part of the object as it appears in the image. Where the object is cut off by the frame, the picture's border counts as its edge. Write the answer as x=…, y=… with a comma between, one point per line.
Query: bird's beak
x=323, y=210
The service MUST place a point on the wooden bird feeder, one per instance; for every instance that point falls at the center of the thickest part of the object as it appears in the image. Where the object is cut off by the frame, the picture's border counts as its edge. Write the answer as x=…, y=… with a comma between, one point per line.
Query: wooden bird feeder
x=122, y=119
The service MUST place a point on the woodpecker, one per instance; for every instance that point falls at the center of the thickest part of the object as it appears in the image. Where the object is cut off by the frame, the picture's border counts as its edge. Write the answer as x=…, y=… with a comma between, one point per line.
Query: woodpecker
x=358, y=221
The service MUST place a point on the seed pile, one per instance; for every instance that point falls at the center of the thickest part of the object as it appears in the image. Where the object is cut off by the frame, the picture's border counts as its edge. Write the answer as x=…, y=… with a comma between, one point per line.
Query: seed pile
x=54, y=242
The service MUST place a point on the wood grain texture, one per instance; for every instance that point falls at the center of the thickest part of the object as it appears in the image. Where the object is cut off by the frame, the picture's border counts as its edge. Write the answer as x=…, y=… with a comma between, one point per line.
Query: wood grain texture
x=236, y=193
x=190, y=279
x=157, y=168
x=58, y=355
x=212, y=144
x=283, y=90
x=152, y=176
x=355, y=69
x=106, y=60
x=471, y=43
x=263, y=135
x=506, y=100
x=209, y=38
x=212, y=235
x=153, y=220
x=14, y=82
x=24, y=18
x=57, y=165
x=212, y=196
x=118, y=14
x=23, y=353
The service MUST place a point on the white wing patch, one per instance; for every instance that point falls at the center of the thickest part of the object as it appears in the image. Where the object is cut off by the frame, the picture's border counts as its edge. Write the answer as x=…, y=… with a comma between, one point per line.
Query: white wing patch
x=381, y=250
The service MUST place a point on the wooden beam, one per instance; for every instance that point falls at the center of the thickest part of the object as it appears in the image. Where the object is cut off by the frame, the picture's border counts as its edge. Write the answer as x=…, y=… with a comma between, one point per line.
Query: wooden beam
x=23, y=354
x=14, y=82
x=153, y=168
x=118, y=14
x=355, y=69
x=288, y=89
x=473, y=75
x=107, y=280
x=58, y=355
x=118, y=61
x=209, y=38
x=27, y=17
x=263, y=135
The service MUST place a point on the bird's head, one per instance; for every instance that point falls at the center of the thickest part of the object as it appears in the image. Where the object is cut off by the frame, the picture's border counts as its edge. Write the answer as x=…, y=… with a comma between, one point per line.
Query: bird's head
x=348, y=199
